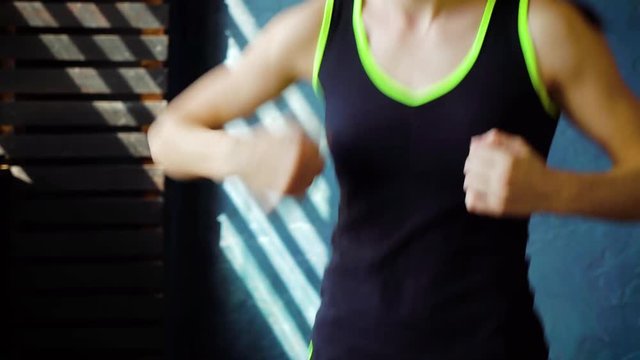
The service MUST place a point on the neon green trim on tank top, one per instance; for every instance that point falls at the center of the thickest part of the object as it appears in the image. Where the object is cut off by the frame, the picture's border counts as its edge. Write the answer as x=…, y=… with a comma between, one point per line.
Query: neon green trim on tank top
x=399, y=92
x=310, y=350
x=322, y=43
x=529, y=52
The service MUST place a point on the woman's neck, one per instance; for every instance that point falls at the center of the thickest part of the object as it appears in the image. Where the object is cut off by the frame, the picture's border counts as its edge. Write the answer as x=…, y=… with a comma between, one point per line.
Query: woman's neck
x=423, y=8
x=417, y=13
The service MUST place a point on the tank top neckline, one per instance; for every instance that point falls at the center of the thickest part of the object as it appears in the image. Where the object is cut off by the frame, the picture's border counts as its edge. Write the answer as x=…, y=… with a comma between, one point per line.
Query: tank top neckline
x=401, y=93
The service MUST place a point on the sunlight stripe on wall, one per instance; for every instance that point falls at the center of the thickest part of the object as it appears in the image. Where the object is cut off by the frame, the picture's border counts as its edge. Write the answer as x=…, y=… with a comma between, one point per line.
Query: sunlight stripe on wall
x=274, y=311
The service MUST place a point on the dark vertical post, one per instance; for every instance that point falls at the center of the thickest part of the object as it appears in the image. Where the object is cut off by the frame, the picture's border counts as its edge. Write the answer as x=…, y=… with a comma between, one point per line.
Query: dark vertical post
x=196, y=44
x=5, y=231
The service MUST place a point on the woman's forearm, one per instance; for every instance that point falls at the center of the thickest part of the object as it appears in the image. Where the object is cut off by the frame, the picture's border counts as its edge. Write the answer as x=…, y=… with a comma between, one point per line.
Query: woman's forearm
x=613, y=195
x=187, y=151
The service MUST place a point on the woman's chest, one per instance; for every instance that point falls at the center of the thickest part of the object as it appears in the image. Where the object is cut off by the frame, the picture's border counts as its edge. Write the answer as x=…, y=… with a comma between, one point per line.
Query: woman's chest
x=372, y=133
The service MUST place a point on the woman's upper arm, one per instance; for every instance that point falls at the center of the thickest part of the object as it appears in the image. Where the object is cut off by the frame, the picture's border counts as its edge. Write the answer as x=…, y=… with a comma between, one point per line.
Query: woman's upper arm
x=581, y=73
x=279, y=55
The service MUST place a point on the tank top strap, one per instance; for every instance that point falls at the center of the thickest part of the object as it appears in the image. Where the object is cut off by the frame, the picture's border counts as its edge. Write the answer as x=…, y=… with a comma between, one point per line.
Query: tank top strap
x=510, y=43
x=333, y=10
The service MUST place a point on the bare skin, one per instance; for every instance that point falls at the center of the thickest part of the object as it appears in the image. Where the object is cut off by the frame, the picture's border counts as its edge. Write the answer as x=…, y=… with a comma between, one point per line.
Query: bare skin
x=504, y=176
x=404, y=35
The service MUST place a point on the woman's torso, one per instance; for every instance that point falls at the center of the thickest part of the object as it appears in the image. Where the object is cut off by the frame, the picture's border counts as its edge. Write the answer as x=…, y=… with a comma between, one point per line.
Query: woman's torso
x=413, y=274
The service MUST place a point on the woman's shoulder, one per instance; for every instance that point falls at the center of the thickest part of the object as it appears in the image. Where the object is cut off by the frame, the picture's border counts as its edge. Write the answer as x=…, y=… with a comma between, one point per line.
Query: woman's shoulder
x=293, y=34
x=562, y=31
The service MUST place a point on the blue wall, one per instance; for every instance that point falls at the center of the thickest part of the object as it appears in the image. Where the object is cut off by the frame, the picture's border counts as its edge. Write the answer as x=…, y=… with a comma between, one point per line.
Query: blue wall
x=586, y=273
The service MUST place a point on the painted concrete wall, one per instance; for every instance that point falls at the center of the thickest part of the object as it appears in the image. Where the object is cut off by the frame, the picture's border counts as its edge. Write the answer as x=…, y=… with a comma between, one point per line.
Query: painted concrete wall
x=586, y=272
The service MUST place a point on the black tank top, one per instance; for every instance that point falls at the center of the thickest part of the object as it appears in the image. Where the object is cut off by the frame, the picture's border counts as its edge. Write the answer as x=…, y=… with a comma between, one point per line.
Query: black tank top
x=414, y=275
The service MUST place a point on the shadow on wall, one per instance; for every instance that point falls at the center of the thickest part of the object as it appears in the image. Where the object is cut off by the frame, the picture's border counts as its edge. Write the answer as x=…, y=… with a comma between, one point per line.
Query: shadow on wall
x=280, y=258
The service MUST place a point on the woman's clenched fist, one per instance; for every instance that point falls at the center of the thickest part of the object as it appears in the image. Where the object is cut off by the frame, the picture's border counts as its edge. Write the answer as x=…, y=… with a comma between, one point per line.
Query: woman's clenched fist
x=279, y=163
x=504, y=176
